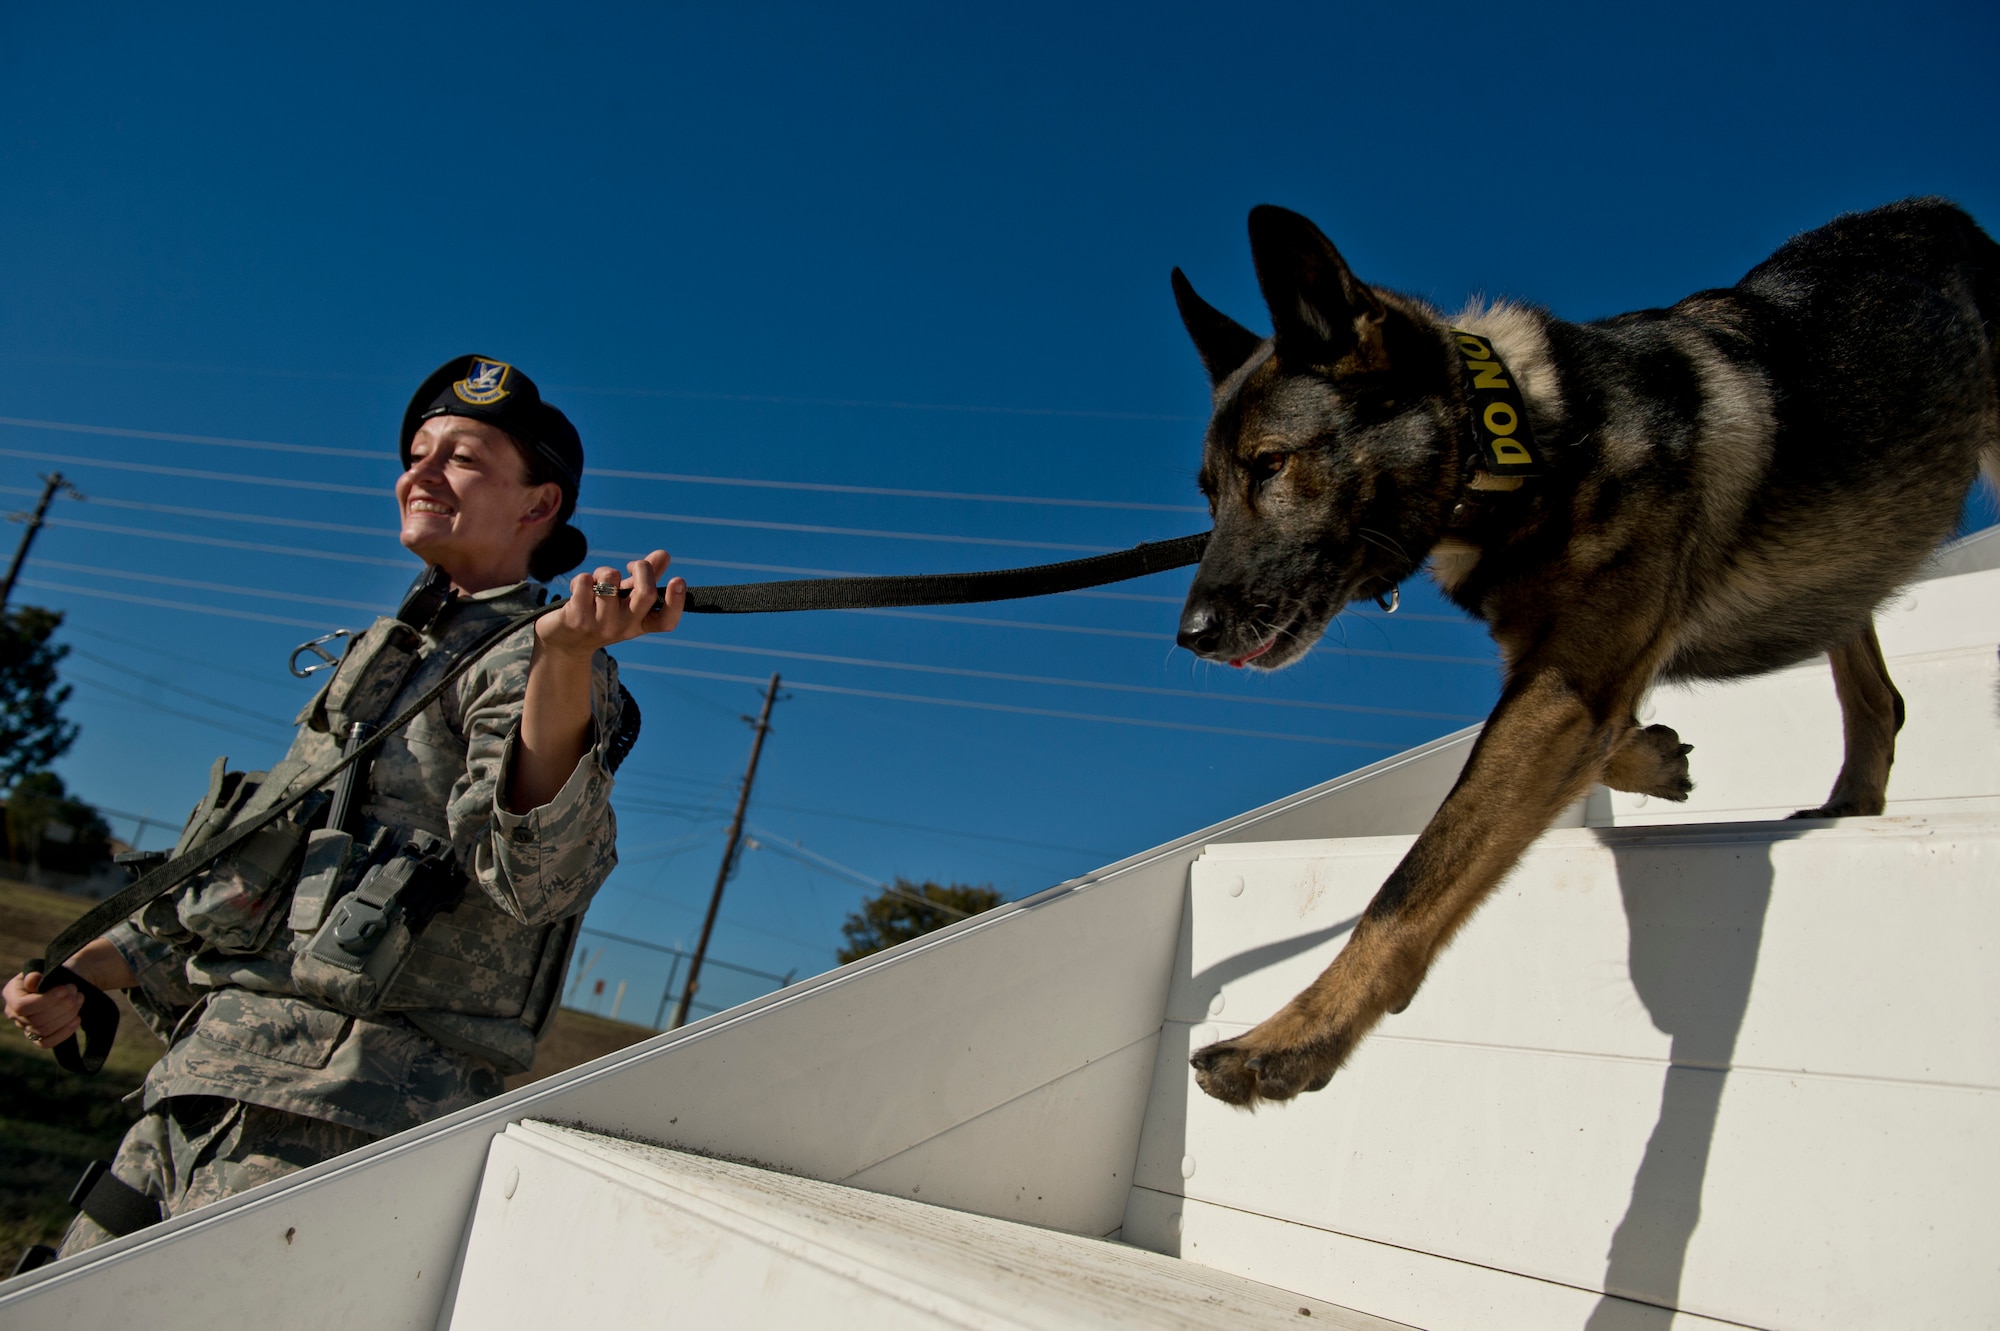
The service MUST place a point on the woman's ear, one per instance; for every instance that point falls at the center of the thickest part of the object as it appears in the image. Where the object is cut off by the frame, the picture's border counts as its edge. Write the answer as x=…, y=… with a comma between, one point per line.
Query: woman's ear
x=544, y=502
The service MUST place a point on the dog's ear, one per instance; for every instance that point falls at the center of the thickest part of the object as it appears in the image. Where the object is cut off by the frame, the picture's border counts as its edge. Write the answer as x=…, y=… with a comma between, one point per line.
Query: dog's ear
x=1221, y=342
x=1321, y=313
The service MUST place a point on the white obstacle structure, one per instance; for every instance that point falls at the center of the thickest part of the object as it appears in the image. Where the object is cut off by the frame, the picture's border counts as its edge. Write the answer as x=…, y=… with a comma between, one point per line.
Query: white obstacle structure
x=1692, y=1067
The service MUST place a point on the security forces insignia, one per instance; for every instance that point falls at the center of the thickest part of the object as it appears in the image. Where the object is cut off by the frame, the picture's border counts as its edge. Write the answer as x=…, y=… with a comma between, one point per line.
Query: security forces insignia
x=485, y=382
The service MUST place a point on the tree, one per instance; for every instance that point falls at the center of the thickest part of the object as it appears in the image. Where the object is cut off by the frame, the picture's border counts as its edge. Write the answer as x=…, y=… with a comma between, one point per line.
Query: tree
x=32, y=731
x=905, y=910
x=48, y=828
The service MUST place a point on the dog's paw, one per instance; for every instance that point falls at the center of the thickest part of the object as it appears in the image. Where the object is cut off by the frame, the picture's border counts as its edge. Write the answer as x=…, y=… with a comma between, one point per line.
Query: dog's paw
x=1844, y=808
x=1652, y=762
x=1245, y=1072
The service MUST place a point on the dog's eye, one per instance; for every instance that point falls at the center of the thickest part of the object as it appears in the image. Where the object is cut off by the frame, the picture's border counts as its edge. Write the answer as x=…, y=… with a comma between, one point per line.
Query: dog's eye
x=1265, y=466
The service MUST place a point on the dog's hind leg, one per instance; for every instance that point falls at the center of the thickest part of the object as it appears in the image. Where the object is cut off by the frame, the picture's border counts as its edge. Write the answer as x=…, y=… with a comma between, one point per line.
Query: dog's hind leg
x=1871, y=712
x=1652, y=761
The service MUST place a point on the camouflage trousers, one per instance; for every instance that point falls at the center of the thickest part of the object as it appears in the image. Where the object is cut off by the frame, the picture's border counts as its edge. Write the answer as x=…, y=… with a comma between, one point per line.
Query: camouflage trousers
x=191, y=1150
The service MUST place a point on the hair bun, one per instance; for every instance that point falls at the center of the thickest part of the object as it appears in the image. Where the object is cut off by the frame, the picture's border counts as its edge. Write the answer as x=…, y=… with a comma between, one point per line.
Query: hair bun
x=561, y=551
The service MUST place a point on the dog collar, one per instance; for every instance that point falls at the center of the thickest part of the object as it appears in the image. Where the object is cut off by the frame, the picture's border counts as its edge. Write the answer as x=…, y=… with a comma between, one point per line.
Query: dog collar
x=1503, y=451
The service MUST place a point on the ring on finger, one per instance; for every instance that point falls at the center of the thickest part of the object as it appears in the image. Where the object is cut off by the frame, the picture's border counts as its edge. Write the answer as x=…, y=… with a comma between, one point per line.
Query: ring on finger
x=607, y=589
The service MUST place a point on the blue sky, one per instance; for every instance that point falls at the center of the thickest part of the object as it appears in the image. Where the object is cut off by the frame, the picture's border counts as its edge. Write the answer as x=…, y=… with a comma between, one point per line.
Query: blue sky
x=915, y=248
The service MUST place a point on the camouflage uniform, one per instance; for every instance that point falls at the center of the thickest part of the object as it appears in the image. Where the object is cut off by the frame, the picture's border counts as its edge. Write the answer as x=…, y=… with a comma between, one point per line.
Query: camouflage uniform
x=462, y=1014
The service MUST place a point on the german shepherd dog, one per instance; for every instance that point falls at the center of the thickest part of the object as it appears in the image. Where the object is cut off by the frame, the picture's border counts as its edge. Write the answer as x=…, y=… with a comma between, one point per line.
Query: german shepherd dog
x=1709, y=491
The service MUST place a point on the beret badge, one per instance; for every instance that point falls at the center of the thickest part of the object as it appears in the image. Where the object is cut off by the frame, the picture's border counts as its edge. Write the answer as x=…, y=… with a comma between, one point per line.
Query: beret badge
x=485, y=382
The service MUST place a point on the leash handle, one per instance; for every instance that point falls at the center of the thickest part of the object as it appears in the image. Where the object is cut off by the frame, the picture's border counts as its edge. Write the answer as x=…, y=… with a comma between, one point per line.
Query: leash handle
x=84, y=1051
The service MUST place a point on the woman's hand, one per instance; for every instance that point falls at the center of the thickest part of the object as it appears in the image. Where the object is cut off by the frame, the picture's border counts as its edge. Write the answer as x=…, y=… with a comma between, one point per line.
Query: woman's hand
x=555, y=715
x=50, y=1018
x=590, y=620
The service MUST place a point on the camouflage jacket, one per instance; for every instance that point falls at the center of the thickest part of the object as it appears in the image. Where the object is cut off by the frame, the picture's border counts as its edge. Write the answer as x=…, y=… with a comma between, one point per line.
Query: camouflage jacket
x=251, y=1036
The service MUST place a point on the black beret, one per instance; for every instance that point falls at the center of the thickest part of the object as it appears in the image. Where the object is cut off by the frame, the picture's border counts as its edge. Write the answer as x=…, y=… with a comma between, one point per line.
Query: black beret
x=495, y=392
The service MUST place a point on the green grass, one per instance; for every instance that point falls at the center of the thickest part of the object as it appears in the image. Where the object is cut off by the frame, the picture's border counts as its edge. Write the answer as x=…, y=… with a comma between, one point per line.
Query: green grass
x=52, y=1122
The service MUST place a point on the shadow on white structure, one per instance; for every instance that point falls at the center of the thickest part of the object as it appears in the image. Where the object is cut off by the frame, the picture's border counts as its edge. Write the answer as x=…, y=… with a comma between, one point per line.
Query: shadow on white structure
x=1690, y=1067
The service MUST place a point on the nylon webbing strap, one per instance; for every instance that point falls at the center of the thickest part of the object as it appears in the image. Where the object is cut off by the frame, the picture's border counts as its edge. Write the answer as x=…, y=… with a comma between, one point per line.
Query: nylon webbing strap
x=114, y=1203
x=122, y=904
x=758, y=598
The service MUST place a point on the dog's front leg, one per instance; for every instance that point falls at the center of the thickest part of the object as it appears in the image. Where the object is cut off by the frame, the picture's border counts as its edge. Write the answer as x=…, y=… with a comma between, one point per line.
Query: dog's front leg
x=1541, y=749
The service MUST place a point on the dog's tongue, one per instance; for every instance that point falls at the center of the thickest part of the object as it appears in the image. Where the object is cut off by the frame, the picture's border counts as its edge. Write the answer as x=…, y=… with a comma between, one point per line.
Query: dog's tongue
x=1244, y=660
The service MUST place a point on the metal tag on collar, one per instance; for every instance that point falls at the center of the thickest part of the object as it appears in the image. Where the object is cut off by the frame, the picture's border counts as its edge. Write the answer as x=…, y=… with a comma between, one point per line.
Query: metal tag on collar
x=1503, y=444
x=317, y=647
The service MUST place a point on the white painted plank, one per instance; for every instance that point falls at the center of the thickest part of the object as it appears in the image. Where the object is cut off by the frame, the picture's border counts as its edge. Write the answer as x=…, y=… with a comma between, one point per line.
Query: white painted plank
x=1065, y=1149
x=1414, y=1287
x=818, y=1078
x=1766, y=747
x=1799, y=1200
x=660, y=1238
x=1864, y=947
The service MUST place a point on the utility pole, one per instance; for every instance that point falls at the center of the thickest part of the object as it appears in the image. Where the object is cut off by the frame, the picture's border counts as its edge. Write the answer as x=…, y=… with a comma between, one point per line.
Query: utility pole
x=763, y=725
x=51, y=483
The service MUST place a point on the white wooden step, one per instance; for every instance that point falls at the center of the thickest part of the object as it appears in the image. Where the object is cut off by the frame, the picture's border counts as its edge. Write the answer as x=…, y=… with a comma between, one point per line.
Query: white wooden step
x=577, y=1229
x=1746, y=1071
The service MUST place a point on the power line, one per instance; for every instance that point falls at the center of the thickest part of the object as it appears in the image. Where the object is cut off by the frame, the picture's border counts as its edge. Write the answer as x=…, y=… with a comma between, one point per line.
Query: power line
x=158, y=683
x=258, y=547
x=214, y=441
x=883, y=491
x=196, y=474
x=671, y=477
x=790, y=570
x=969, y=408
x=268, y=680
x=1091, y=630
x=704, y=674
x=1020, y=711
x=1086, y=630
x=155, y=706
x=685, y=519
x=196, y=584
x=815, y=529
x=813, y=859
x=689, y=644
x=155, y=603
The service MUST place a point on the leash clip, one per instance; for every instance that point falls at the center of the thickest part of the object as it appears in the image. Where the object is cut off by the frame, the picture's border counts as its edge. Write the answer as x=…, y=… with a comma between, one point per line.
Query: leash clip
x=326, y=658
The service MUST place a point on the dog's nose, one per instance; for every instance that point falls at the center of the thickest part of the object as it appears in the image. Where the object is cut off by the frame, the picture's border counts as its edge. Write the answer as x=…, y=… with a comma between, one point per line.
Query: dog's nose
x=1201, y=630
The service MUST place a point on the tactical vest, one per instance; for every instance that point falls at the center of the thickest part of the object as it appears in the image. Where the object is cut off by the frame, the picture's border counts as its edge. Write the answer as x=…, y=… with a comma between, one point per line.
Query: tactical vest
x=379, y=918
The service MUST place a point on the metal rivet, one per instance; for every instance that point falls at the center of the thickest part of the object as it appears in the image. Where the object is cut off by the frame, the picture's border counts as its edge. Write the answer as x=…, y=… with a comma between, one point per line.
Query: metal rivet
x=1174, y=1224
x=1236, y=887
x=1187, y=1166
x=513, y=1182
x=1215, y=1006
x=1638, y=801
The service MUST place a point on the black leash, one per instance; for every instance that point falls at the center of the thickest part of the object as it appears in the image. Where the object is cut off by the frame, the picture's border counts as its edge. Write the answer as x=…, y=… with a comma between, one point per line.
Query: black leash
x=1009, y=584
x=99, y=1026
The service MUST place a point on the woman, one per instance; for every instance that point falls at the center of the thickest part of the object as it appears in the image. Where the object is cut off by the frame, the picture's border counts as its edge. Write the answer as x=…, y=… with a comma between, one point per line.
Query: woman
x=322, y=988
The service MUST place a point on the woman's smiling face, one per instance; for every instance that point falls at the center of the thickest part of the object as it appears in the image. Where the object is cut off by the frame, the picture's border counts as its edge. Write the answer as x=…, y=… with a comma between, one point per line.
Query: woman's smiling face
x=467, y=506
